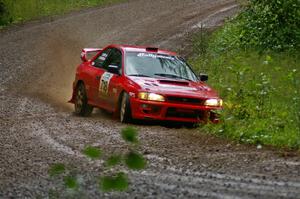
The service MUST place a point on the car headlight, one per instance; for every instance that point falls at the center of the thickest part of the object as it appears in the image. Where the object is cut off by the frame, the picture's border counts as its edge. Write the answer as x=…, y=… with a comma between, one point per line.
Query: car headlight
x=151, y=96
x=213, y=102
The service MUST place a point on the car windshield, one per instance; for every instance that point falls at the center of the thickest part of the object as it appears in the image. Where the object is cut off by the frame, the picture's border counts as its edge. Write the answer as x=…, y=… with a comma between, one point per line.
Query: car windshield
x=157, y=65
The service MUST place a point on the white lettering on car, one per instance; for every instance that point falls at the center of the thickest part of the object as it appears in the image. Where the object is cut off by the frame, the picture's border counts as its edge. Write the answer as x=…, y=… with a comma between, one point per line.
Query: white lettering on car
x=155, y=56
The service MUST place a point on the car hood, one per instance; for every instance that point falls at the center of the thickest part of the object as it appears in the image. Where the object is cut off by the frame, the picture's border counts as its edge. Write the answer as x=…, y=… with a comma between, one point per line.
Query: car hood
x=175, y=87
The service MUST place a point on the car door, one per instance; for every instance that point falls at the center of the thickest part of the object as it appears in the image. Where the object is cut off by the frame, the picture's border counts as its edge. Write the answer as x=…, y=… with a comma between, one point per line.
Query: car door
x=96, y=72
x=110, y=85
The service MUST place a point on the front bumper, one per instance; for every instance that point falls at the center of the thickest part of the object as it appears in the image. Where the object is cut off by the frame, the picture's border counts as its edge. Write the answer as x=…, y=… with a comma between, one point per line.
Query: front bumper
x=169, y=111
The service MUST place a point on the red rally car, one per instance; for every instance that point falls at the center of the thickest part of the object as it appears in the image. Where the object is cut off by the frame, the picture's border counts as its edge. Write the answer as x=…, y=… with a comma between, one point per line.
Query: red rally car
x=145, y=83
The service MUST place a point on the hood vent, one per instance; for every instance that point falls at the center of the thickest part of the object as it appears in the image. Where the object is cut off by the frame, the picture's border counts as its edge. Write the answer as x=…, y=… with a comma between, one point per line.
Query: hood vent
x=179, y=83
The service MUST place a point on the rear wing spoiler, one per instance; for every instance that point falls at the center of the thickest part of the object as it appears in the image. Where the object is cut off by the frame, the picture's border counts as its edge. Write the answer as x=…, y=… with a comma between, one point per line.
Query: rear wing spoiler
x=86, y=51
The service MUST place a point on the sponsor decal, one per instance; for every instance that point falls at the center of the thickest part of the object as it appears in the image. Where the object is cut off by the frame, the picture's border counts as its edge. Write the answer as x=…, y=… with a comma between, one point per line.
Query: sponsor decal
x=176, y=87
x=155, y=56
x=104, y=83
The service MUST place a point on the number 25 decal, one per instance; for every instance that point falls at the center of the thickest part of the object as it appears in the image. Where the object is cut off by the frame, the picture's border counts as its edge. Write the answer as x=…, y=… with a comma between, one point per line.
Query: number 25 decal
x=104, y=83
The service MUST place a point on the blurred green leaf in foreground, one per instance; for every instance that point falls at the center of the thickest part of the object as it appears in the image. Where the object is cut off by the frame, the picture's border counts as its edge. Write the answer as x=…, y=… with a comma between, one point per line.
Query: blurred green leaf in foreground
x=114, y=183
x=129, y=134
x=135, y=161
x=57, y=169
x=112, y=178
x=92, y=152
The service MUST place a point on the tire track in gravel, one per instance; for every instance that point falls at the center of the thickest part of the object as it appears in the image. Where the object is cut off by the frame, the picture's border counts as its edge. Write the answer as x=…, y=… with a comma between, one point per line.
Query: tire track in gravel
x=249, y=185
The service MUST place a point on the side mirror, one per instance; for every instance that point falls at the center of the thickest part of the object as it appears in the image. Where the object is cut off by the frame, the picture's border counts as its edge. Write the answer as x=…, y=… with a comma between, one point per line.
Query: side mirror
x=203, y=77
x=113, y=69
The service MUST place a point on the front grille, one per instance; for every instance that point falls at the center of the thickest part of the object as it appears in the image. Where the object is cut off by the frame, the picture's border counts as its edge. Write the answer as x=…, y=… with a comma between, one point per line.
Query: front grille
x=185, y=100
x=178, y=113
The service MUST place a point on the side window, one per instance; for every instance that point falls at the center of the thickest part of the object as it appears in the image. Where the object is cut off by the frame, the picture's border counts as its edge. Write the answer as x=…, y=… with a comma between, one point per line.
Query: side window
x=99, y=61
x=114, y=58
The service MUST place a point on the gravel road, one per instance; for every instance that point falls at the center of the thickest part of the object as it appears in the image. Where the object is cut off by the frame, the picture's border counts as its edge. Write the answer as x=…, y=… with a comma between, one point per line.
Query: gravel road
x=38, y=128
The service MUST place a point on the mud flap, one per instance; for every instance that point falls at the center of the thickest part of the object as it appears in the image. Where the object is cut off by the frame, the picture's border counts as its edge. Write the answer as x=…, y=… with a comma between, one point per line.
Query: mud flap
x=72, y=100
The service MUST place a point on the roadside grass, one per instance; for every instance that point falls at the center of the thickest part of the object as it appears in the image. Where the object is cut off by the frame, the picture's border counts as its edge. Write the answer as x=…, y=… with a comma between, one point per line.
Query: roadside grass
x=16, y=11
x=261, y=90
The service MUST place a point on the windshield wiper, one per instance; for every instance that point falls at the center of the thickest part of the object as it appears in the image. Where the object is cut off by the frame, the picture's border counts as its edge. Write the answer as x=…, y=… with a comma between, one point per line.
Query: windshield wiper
x=139, y=75
x=171, y=76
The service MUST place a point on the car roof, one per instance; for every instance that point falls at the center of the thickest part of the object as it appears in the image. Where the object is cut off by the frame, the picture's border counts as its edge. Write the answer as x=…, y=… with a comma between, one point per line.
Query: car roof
x=131, y=48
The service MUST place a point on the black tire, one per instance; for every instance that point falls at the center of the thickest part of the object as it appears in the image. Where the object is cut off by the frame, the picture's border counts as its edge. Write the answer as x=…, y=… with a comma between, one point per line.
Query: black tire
x=191, y=125
x=82, y=107
x=125, y=109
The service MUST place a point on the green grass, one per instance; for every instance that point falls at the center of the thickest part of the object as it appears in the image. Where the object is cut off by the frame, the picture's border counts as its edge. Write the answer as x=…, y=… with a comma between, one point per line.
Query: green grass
x=16, y=11
x=261, y=90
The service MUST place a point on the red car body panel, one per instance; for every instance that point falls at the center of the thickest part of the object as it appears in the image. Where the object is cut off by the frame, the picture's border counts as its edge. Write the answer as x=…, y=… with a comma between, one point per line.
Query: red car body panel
x=184, y=99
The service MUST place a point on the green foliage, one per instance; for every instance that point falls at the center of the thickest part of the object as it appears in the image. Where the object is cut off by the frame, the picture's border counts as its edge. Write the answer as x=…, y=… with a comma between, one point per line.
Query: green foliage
x=4, y=14
x=92, y=152
x=129, y=134
x=56, y=169
x=261, y=92
x=228, y=38
x=23, y=10
x=135, y=161
x=254, y=62
x=113, y=179
x=114, y=160
x=272, y=24
x=264, y=25
x=114, y=183
x=71, y=182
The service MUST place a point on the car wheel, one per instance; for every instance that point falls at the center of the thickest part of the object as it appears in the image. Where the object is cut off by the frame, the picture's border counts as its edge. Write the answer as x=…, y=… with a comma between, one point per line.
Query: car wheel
x=125, y=111
x=191, y=125
x=82, y=107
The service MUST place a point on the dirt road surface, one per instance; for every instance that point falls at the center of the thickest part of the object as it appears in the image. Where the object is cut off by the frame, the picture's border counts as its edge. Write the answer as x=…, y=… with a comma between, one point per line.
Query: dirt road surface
x=38, y=127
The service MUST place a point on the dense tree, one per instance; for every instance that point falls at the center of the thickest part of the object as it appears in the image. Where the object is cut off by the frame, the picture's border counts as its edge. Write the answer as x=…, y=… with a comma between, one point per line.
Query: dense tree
x=271, y=24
